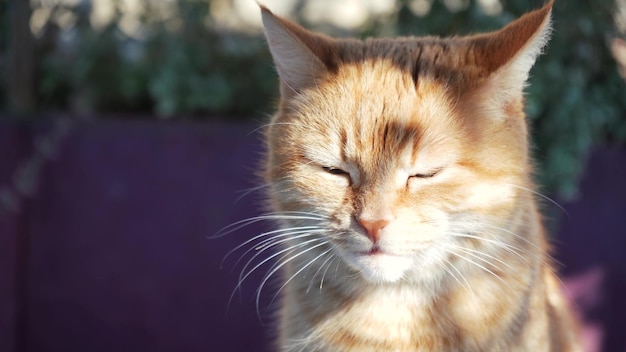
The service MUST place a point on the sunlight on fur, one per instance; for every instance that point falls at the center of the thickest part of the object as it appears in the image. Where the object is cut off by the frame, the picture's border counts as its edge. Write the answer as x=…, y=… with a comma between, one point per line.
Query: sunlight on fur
x=399, y=176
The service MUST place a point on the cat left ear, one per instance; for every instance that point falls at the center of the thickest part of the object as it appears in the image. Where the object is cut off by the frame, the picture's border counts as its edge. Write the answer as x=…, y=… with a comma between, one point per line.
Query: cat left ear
x=300, y=56
x=506, y=56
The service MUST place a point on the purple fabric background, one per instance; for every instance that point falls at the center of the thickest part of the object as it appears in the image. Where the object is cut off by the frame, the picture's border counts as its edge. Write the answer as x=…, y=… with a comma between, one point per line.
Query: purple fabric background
x=112, y=254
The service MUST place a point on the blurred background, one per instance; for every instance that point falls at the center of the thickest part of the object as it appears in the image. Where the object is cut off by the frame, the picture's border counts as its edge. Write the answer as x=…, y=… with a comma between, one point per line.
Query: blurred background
x=129, y=135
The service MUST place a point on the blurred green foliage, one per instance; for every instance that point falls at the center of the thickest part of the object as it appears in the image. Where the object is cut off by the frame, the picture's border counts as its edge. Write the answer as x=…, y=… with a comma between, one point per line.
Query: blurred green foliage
x=192, y=70
x=576, y=98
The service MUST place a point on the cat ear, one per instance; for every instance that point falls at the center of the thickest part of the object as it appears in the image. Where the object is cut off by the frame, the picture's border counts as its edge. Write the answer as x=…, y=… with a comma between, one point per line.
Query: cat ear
x=300, y=56
x=506, y=56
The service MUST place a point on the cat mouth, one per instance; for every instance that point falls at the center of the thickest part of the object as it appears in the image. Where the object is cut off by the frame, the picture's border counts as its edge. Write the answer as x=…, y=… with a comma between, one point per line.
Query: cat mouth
x=372, y=252
x=375, y=251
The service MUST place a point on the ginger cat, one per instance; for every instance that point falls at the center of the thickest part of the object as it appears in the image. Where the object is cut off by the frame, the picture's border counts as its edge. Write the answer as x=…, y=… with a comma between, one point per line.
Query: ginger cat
x=399, y=173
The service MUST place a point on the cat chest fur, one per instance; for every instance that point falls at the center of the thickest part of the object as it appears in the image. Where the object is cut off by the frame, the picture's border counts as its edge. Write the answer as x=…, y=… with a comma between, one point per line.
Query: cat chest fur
x=405, y=318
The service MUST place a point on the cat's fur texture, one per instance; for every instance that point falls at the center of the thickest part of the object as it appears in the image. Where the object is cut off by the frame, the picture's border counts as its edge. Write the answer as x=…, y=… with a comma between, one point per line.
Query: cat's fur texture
x=399, y=171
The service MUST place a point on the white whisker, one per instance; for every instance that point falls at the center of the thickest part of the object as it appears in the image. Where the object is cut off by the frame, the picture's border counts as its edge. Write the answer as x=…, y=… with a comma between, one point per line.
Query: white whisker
x=511, y=233
x=242, y=277
x=507, y=247
x=269, y=125
x=539, y=249
x=274, y=270
x=272, y=242
x=480, y=266
x=290, y=215
x=248, y=191
x=296, y=230
x=326, y=270
x=298, y=272
x=465, y=284
x=331, y=256
x=477, y=254
x=542, y=196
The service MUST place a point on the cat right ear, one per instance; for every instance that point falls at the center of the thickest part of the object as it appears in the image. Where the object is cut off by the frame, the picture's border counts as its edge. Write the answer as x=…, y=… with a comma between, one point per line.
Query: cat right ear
x=300, y=56
x=507, y=55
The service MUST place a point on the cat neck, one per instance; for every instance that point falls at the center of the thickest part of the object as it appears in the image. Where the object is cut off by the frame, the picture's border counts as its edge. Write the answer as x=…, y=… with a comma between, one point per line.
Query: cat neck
x=403, y=315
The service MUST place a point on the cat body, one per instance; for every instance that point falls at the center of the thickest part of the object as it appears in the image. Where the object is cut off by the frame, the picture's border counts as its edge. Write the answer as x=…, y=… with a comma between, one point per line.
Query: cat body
x=399, y=172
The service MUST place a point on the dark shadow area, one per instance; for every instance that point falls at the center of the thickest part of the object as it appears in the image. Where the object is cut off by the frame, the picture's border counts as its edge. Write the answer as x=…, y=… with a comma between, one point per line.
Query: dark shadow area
x=591, y=246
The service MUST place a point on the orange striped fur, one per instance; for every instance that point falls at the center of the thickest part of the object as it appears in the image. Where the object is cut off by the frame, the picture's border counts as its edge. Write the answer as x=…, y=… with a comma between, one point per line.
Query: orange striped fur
x=403, y=166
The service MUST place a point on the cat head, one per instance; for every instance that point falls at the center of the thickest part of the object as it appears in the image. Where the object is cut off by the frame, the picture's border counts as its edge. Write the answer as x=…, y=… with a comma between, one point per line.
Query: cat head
x=401, y=149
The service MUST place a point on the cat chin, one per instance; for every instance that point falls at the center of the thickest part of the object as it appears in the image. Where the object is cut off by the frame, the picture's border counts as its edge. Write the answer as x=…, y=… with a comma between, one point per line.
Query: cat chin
x=382, y=268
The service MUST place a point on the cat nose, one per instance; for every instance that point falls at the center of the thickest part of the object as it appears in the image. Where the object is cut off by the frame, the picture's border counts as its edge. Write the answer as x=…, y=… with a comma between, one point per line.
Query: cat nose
x=373, y=228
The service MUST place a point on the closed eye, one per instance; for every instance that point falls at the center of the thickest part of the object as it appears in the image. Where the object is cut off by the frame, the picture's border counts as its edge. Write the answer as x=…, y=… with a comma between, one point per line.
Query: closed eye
x=426, y=175
x=335, y=171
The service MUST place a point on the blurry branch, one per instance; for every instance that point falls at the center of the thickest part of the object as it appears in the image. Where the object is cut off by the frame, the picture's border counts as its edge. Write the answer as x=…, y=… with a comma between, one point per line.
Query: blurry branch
x=25, y=181
x=21, y=63
x=169, y=60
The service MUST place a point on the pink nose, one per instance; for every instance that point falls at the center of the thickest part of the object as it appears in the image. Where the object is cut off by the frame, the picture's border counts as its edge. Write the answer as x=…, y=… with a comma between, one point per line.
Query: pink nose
x=372, y=228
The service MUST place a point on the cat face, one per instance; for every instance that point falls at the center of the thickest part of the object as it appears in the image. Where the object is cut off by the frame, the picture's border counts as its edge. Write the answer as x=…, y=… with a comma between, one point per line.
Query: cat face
x=389, y=166
x=399, y=151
